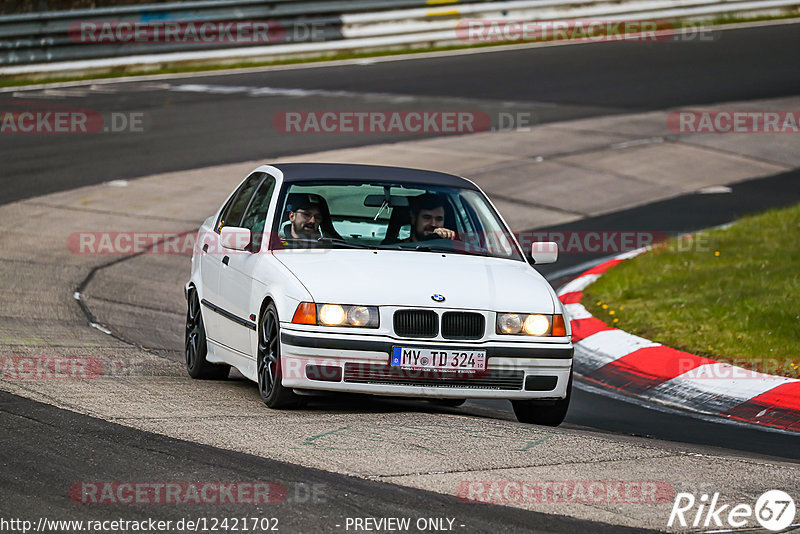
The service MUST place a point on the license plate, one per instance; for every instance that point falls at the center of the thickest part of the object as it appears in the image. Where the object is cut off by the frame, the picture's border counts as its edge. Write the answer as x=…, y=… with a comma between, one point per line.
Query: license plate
x=454, y=360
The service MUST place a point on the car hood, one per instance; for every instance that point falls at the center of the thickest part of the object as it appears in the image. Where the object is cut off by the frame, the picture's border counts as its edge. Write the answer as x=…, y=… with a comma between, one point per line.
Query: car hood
x=405, y=278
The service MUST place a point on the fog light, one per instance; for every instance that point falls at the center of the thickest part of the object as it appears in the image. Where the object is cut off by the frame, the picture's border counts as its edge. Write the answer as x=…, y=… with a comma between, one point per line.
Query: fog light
x=325, y=373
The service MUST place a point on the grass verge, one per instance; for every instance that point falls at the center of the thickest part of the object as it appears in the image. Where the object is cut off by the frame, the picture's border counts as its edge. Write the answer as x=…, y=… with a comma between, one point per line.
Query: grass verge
x=729, y=294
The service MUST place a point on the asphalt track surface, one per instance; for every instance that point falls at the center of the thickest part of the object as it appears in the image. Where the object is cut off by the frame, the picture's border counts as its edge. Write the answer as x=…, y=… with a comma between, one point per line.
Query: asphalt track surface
x=53, y=448
x=187, y=130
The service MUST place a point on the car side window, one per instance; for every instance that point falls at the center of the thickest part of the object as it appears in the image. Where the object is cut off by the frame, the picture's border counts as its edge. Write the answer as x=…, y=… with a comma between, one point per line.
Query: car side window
x=256, y=214
x=233, y=211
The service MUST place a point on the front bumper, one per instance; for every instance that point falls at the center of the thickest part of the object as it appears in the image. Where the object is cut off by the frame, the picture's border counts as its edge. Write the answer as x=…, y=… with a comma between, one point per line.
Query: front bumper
x=515, y=370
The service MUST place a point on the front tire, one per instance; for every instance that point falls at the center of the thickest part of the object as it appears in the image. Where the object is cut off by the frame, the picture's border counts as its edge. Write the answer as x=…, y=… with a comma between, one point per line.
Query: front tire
x=546, y=413
x=196, y=346
x=269, y=366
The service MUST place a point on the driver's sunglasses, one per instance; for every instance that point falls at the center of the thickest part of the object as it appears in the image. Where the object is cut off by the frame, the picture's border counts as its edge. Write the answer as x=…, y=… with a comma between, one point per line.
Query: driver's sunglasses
x=309, y=215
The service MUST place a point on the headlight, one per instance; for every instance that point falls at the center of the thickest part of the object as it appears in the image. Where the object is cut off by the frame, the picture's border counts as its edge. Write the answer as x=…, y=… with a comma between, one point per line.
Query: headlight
x=359, y=315
x=331, y=314
x=509, y=323
x=337, y=315
x=534, y=324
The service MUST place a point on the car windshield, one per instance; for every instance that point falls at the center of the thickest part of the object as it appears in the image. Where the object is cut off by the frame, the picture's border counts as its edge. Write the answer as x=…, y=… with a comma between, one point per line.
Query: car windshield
x=377, y=215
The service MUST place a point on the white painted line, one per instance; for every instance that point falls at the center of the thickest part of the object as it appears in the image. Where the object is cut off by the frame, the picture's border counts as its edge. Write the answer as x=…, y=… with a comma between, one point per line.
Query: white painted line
x=637, y=142
x=265, y=91
x=715, y=189
x=632, y=253
x=213, y=89
x=101, y=328
x=256, y=91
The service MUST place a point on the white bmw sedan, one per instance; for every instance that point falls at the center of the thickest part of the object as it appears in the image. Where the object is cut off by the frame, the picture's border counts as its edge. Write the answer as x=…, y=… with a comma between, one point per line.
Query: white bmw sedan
x=376, y=280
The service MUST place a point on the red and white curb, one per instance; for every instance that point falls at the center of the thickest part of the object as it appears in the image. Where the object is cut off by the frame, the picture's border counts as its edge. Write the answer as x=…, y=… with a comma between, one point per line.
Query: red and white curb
x=650, y=371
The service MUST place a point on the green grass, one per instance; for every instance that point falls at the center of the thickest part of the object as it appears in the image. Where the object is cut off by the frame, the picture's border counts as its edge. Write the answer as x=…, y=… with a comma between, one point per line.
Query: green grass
x=139, y=70
x=732, y=294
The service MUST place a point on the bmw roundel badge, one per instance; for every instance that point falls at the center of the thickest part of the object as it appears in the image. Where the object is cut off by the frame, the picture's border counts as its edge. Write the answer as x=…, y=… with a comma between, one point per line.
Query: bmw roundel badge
x=437, y=297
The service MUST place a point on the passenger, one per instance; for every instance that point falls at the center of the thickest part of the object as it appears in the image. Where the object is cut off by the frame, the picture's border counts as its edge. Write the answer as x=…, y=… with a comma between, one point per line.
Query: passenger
x=427, y=218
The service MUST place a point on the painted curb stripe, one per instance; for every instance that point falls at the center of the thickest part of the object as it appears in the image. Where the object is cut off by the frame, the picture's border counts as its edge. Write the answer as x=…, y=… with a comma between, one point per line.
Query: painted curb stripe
x=607, y=346
x=573, y=297
x=639, y=367
x=583, y=328
x=779, y=407
x=579, y=284
x=603, y=267
x=577, y=312
x=724, y=379
x=646, y=368
x=694, y=395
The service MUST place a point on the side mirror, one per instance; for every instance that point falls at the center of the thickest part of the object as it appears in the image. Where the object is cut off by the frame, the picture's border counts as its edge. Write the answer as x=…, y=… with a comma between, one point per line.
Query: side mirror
x=544, y=252
x=235, y=238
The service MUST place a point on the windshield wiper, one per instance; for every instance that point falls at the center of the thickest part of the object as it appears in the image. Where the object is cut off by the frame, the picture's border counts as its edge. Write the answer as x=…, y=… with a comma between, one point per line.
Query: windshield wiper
x=337, y=241
x=330, y=241
x=452, y=250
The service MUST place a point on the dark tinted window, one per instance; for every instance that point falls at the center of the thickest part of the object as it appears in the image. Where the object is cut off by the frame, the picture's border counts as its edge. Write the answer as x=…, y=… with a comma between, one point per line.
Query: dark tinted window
x=256, y=214
x=234, y=210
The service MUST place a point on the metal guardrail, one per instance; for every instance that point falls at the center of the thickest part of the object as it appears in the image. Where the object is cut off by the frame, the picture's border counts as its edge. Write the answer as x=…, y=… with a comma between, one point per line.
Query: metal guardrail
x=418, y=21
x=45, y=37
x=343, y=26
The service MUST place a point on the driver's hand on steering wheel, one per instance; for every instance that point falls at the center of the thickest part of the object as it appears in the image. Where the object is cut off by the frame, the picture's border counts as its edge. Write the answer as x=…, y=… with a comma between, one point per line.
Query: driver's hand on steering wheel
x=444, y=233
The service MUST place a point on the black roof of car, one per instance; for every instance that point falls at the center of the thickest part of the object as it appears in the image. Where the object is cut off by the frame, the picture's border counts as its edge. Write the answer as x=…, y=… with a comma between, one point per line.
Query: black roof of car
x=303, y=172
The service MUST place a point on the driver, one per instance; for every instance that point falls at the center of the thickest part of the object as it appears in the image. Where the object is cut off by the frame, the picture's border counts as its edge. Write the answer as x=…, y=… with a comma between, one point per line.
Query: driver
x=305, y=216
x=427, y=218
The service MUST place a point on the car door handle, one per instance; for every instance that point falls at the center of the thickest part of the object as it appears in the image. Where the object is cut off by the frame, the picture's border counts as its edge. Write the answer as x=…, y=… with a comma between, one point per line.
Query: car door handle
x=225, y=260
x=205, y=247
